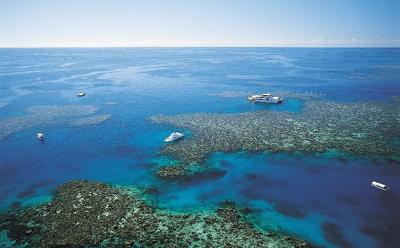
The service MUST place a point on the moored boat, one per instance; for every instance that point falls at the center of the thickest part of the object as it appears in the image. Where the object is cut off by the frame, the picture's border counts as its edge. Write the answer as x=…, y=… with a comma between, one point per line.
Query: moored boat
x=265, y=98
x=40, y=136
x=380, y=186
x=174, y=136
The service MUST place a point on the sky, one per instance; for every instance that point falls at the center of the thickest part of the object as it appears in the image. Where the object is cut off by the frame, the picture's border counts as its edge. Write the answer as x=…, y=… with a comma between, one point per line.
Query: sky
x=170, y=23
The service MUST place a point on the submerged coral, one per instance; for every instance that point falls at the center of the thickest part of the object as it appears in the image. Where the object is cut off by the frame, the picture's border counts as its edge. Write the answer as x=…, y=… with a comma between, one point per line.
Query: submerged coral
x=3, y=104
x=230, y=94
x=88, y=214
x=47, y=115
x=171, y=172
x=361, y=128
x=91, y=120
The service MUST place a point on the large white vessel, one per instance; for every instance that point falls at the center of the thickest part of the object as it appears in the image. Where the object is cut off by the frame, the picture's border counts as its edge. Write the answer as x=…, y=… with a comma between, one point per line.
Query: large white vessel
x=174, y=136
x=265, y=98
x=380, y=186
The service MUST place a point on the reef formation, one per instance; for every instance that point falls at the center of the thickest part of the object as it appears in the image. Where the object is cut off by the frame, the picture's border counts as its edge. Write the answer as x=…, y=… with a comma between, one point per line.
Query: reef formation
x=359, y=128
x=91, y=120
x=3, y=104
x=91, y=214
x=49, y=115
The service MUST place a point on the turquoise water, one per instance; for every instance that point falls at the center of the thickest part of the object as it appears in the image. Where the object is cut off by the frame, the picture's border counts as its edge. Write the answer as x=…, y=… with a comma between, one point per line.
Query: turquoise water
x=321, y=197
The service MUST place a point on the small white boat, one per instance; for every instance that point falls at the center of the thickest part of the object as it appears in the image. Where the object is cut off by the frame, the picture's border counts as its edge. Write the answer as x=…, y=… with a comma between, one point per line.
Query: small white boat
x=174, y=136
x=80, y=94
x=380, y=186
x=40, y=136
x=265, y=98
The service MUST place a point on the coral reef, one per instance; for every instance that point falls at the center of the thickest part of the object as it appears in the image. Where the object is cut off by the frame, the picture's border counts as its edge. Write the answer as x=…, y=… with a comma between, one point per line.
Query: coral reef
x=360, y=128
x=230, y=94
x=90, y=214
x=3, y=104
x=91, y=120
x=171, y=172
x=48, y=115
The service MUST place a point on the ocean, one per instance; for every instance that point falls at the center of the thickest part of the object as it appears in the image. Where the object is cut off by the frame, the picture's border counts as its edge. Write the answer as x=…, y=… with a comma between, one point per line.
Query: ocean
x=108, y=135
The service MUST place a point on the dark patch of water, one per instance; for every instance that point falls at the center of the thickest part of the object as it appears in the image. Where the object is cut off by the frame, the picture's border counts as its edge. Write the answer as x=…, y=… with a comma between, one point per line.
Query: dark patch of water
x=290, y=210
x=334, y=235
x=384, y=225
x=29, y=192
x=209, y=195
x=203, y=177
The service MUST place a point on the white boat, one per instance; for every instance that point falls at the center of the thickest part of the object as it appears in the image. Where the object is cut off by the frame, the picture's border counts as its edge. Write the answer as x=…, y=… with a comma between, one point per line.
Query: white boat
x=40, y=136
x=265, y=98
x=174, y=136
x=80, y=94
x=380, y=186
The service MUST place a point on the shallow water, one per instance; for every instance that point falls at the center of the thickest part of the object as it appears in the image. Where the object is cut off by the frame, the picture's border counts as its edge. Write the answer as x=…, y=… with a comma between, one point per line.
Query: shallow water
x=297, y=193
x=322, y=198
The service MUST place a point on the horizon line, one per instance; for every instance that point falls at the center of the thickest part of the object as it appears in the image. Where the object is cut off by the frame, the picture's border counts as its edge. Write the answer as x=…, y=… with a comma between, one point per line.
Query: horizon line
x=41, y=47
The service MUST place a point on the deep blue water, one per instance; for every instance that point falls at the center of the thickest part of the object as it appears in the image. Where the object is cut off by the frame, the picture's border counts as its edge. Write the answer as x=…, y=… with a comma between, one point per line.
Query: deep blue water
x=295, y=193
